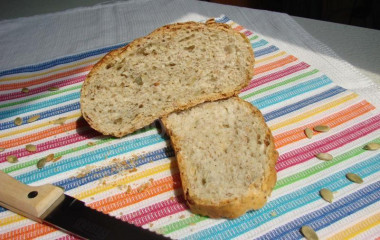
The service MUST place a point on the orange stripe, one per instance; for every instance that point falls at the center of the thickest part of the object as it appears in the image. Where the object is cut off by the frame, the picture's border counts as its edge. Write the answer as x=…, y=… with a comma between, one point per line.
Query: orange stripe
x=125, y=199
x=43, y=134
x=45, y=79
x=106, y=205
x=238, y=28
x=332, y=121
x=276, y=64
x=28, y=232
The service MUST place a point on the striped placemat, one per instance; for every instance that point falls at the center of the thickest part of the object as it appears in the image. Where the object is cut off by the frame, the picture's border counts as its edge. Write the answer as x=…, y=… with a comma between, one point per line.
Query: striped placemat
x=136, y=179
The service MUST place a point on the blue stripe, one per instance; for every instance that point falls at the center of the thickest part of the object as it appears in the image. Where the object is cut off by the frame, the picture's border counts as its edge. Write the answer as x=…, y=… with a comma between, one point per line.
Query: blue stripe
x=291, y=92
x=36, y=106
x=71, y=183
x=303, y=103
x=224, y=19
x=46, y=114
x=328, y=215
x=264, y=51
x=288, y=203
x=60, y=61
x=260, y=43
x=89, y=158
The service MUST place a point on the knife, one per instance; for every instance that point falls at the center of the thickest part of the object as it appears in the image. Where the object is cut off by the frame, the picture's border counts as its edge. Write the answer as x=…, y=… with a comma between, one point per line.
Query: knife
x=49, y=205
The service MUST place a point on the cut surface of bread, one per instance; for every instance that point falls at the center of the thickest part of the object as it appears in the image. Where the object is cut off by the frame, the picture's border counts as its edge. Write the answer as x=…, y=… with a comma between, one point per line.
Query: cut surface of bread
x=175, y=67
x=226, y=157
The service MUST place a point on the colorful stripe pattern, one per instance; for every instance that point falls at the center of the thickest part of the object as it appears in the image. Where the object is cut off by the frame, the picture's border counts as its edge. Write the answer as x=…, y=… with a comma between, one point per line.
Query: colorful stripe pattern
x=136, y=177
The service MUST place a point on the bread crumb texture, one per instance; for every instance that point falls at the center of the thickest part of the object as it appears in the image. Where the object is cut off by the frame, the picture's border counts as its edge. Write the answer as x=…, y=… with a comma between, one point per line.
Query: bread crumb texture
x=226, y=156
x=175, y=67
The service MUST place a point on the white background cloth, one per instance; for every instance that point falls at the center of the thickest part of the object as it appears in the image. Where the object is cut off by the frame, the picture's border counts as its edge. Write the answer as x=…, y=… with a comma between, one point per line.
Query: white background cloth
x=32, y=40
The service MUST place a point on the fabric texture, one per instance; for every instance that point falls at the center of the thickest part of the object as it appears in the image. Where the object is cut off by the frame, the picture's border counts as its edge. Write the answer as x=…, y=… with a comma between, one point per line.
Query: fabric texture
x=135, y=178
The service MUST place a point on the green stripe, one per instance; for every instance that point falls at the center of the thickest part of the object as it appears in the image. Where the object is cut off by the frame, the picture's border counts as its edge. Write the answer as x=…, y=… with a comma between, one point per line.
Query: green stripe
x=303, y=75
x=40, y=96
x=322, y=166
x=72, y=150
x=181, y=224
x=281, y=183
x=254, y=38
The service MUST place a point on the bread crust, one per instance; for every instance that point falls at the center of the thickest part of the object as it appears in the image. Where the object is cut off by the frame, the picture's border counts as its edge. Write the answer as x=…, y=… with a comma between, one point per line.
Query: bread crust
x=118, y=53
x=253, y=200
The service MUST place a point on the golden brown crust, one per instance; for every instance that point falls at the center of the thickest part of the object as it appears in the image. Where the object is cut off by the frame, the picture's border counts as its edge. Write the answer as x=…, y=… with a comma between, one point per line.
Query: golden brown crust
x=113, y=55
x=255, y=199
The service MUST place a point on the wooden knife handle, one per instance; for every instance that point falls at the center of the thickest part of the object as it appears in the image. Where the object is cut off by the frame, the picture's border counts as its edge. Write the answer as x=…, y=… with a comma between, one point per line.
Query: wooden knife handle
x=31, y=202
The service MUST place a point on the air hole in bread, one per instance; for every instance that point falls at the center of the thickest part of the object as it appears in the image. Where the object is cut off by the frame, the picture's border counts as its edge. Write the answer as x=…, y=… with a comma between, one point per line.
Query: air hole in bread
x=203, y=181
x=118, y=120
x=190, y=48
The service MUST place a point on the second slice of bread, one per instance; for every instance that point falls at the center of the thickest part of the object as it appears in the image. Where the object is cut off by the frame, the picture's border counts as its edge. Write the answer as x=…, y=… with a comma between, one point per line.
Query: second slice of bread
x=226, y=157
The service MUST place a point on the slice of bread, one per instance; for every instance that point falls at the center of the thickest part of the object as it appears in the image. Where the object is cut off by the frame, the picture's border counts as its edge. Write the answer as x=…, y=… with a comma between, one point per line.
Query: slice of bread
x=173, y=68
x=226, y=157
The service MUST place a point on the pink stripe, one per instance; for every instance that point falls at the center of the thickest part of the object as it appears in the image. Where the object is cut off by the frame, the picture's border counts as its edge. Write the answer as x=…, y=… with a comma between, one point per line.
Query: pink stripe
x=156, y=211
x=276, y=75
x=68, y=237
x=247, y=33
x=300, y=155
x=56, y=143
x=44, y=88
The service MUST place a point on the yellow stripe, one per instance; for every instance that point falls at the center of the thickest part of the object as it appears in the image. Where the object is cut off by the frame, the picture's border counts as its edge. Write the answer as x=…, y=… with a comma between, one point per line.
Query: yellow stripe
x=12, y=219
x=270, y=57
x=126, y=180
x=102, y=188
x=233, y=25
x=313, y=112
x=358, y=228
x=37, y=126
x=50, y=71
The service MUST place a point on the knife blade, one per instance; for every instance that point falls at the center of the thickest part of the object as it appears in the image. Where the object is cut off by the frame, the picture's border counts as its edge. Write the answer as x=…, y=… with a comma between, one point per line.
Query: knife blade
x=49, y=205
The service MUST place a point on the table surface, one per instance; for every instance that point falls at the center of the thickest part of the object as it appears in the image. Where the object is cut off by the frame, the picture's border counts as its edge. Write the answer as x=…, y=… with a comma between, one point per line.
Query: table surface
x=358, y=46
